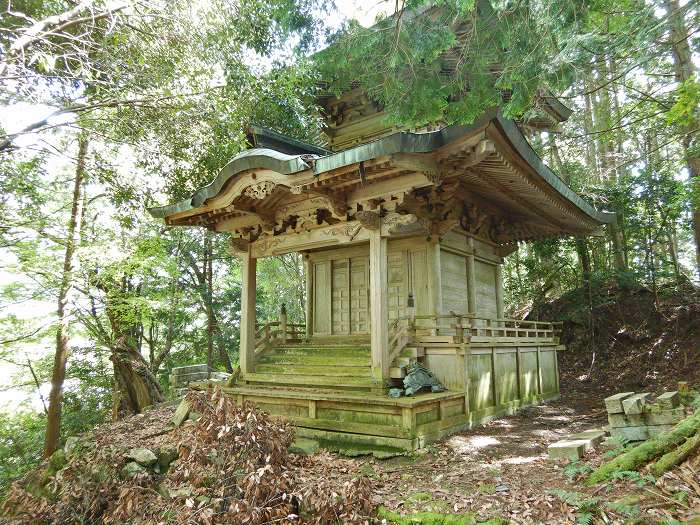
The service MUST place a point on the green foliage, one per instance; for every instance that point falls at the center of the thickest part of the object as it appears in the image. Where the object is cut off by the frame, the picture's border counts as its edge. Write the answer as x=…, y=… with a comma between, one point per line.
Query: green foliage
x=686, y=109
x=21, y=445
x=587, y=508
x=635, y=477
x=435, y=518
x=576, y=468
x=503, y=52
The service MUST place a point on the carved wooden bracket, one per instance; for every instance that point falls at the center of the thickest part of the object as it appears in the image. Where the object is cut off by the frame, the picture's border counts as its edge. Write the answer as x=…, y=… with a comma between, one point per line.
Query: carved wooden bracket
x=238, y=247
x=260, y=190
x=368, y=219
x=337, y=204
x=394, y=223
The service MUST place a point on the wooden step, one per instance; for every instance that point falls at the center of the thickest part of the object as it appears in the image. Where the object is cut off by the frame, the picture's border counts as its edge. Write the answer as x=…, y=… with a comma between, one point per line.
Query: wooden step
x=341, y=370
x=312, y=359
x=328, y=351
x=309, y=380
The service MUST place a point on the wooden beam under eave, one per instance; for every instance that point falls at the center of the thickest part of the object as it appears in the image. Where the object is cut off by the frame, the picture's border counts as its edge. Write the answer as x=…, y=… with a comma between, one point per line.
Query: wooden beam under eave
x=234, y=223
x=384, y=189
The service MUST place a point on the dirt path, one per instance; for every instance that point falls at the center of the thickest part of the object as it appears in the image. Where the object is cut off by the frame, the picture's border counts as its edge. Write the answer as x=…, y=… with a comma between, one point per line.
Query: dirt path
x=498, y=469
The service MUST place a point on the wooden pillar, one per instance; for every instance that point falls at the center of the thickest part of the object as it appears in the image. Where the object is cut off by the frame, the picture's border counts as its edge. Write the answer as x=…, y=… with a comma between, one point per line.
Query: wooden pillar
x=471, y=277
x=434, y=277
x=379, y=305
x=247, y=335
x=499, y=291
x=309, y=295
x=283, y=323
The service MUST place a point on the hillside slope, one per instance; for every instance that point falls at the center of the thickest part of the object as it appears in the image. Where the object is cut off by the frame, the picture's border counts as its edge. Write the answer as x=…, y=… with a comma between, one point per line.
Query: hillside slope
x=628, y=342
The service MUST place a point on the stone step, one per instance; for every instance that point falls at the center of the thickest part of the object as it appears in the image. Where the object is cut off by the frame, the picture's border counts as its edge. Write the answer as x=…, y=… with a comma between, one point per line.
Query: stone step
x=310, y=380
x=312, y=359
x=340, y=370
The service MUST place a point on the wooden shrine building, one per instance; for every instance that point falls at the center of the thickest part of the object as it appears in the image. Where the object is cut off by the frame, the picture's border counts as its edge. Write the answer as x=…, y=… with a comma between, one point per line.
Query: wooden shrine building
x=403, y=236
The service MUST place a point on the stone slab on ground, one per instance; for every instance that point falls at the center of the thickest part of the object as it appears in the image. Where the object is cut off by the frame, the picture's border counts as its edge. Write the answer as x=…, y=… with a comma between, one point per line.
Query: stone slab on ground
x=142, y=456
x=613, y=404
x=631, y=433
x=669, y=399
x=593, y=437
x=568, y=449
x=666, y=417
x=635, y=404
x=180, y=416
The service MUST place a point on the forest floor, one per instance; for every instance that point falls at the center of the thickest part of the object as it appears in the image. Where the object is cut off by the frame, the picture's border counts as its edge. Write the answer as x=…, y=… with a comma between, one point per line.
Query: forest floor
x=641, y=341
x=502, y=469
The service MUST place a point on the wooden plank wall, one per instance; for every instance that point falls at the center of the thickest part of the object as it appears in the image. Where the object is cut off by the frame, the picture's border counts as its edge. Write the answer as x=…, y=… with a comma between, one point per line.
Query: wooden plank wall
x=340, y=287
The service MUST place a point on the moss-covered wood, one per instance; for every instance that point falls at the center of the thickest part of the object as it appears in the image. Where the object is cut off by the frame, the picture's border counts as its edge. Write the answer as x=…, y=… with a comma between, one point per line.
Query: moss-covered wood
x=650, y=450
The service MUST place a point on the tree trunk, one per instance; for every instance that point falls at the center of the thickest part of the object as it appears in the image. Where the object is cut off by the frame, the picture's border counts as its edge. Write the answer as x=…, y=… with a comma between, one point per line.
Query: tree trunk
x=53, y=419
x=684, y=71
x=136, y=386
x=209, y=300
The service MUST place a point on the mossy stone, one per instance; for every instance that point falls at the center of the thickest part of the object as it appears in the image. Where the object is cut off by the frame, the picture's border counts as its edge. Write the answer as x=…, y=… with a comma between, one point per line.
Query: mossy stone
x=304, y=446
x=132, y=468
x=142, y=456
x=57, y=461
x=166, y=455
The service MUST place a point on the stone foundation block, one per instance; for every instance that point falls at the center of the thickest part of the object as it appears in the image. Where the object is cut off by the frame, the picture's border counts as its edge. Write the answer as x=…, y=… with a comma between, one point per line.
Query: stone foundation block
x=631, y=433
x=669, y=400
x=618, y=420
x=635, y=404
x=613, y=404
x=636, y=420
x=666, y=417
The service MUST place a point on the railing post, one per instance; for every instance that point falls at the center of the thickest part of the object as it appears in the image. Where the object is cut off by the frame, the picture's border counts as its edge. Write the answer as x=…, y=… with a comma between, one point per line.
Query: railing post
x=283, y=322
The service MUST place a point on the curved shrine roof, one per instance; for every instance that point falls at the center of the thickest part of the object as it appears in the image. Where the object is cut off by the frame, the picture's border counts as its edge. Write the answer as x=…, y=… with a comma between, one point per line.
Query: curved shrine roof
x=488, y=166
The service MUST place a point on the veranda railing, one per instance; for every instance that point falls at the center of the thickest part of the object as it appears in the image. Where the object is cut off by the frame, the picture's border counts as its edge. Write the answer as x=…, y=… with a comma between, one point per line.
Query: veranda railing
x=464, y=328
x=275, y=332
